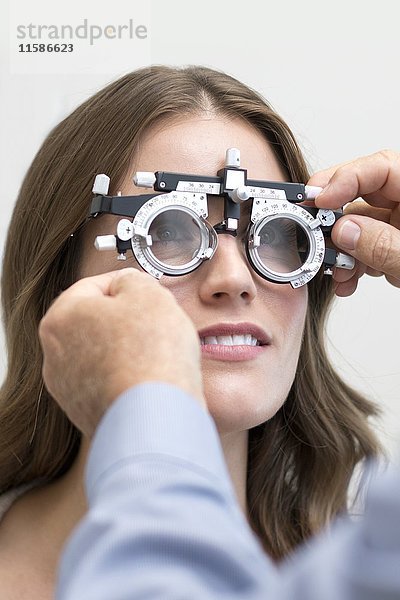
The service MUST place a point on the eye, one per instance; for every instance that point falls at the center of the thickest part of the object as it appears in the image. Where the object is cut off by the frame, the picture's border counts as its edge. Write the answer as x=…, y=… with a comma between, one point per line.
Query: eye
x=279, y=231
x=166, y=233
x=174, y=226
x=267, y=236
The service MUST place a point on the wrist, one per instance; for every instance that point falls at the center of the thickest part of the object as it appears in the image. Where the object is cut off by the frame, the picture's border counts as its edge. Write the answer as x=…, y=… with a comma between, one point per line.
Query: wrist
x=123, y=382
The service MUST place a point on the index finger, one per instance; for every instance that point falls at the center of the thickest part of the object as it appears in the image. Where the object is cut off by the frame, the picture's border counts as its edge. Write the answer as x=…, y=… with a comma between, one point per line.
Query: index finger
x=375, y=177
x=94, y=286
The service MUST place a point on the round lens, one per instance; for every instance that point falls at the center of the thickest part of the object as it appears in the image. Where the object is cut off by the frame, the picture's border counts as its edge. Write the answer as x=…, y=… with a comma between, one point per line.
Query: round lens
x=283, y=246
x=176, y=237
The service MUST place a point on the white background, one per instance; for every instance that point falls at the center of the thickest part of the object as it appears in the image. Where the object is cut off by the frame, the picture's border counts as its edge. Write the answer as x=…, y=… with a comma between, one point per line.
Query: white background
x=331, y=69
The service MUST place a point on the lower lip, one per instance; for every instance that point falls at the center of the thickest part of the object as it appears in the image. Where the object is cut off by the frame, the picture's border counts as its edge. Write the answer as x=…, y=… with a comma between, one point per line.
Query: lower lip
x=232, y=353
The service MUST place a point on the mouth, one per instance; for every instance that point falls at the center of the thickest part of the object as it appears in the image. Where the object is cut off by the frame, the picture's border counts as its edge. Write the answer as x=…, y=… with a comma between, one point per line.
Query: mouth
x=234, y=341
x=234, y=334
x=230, y=340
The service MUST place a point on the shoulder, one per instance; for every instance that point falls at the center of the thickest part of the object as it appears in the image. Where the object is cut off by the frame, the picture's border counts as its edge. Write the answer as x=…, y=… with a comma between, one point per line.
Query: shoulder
x=19, y=580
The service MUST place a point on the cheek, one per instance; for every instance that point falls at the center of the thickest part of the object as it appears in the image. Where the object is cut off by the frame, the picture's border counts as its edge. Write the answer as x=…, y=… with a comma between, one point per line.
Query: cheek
x=290, y=316
x=91, y=261
x=94, y=262
x=185, y=291
x=296, y=307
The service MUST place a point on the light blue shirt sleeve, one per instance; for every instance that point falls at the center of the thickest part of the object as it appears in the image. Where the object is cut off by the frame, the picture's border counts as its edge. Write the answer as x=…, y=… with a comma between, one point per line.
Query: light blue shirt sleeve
x=164, y=522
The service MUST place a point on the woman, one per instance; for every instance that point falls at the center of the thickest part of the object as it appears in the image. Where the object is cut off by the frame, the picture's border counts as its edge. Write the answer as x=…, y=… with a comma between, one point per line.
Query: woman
x=292, y=431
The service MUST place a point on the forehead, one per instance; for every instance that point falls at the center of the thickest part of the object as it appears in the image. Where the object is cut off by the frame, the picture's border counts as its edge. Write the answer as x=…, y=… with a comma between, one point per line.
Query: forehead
x=198, y=145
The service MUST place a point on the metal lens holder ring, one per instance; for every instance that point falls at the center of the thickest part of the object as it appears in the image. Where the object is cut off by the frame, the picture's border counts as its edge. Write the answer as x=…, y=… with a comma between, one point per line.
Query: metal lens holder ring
x=265, y=210
x=193, y=204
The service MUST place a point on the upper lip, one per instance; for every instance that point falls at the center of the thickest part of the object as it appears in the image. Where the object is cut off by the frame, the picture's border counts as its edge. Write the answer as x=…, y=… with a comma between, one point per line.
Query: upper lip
x=236, y=329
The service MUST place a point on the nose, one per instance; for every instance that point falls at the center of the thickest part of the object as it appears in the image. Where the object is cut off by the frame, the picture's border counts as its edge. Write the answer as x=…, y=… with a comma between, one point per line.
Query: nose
x=227, y=277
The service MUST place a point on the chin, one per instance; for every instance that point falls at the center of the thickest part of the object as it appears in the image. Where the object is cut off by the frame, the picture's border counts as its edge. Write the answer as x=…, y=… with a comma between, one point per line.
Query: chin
x=239, y=408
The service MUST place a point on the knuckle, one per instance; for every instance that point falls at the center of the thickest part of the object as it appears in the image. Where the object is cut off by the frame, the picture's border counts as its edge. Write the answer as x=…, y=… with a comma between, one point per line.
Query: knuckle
x=382, y=249
x=391, y=157
x=56, y=317
x=45, y=326
x=395, y=281
x=132, y=279
x=347, y=177
x=388, y=154
x=128, y=273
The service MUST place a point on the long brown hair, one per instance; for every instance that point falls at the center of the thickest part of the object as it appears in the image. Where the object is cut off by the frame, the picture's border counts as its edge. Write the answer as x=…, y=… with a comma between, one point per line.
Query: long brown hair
x=300, y=462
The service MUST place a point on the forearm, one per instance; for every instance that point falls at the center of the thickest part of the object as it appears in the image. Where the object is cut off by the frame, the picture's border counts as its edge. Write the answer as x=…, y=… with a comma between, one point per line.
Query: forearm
x=163, y=520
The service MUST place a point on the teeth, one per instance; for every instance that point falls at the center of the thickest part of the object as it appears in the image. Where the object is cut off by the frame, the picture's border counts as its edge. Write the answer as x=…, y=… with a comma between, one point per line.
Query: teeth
x=230, y=340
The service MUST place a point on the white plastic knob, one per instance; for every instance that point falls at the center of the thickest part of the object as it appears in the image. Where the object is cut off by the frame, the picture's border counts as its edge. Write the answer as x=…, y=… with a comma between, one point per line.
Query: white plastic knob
x=326, y=217
x=105, y=242
x=232, y=158
x=144, y=179
x=101, y=184
x=125, y=230
x=240, y=194
x=344, y=261
x=207, y=253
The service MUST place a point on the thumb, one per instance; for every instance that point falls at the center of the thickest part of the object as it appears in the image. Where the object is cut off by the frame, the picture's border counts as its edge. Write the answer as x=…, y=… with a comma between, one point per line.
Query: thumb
x=372, y=242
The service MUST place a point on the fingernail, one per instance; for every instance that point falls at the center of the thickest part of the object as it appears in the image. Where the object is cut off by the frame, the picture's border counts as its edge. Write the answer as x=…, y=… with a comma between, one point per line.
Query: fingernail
x=348, y=235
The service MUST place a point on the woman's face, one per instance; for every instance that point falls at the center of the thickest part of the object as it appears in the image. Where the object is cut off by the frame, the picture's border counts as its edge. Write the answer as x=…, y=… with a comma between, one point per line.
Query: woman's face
x=225, y=290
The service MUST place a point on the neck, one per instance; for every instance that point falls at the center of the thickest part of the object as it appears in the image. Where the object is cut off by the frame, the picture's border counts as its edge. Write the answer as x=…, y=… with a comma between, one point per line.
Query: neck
x=38, y=524
x=58, y=506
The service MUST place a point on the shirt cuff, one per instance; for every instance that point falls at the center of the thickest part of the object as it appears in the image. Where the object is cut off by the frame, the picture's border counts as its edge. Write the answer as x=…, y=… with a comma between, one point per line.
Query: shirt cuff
x=156, y=420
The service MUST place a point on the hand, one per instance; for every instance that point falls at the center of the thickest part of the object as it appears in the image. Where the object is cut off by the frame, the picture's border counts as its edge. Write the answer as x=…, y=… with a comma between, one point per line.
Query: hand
x=107, y=333
x=376, y=245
